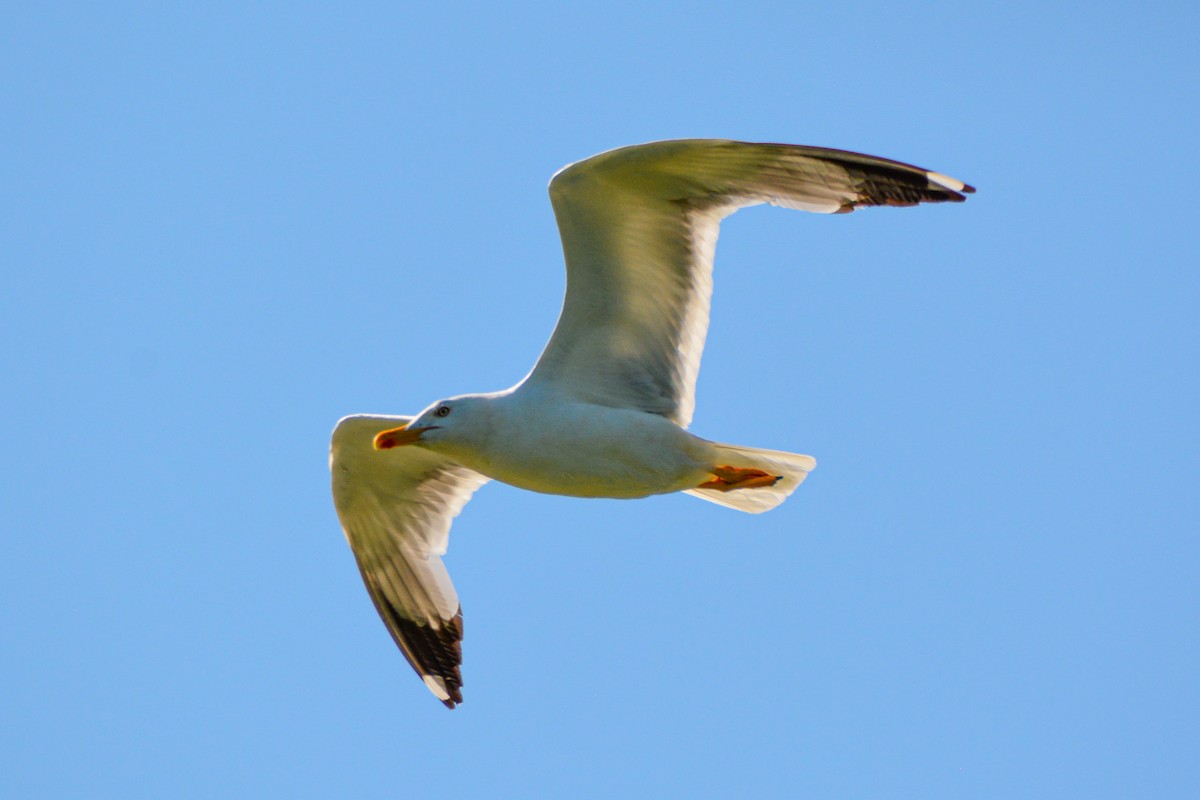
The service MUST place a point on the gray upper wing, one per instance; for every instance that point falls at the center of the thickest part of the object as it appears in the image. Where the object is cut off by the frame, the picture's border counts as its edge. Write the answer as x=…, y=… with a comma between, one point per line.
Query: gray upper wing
x=639, y=226
x=396, y=507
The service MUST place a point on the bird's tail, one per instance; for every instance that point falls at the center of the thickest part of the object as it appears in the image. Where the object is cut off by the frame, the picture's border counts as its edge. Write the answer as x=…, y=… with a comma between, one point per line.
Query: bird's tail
x=790, y=468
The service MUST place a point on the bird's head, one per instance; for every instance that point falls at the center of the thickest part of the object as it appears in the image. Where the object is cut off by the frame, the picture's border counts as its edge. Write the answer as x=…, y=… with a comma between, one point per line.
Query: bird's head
x=445, y=426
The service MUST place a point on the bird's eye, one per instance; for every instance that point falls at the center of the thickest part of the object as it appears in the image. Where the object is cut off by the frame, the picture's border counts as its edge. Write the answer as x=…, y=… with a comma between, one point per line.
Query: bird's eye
x=442, y=411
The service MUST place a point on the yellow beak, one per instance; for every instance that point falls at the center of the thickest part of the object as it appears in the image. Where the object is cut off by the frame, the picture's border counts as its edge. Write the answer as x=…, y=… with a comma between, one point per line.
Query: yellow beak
x=395, y=437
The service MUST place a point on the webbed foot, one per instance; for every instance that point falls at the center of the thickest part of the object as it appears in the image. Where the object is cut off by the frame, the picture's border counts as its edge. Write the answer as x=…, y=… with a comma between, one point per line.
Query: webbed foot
x=726, y=479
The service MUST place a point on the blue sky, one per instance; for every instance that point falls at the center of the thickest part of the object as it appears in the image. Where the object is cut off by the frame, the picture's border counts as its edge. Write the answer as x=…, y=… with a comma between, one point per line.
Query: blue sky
x=225, y=226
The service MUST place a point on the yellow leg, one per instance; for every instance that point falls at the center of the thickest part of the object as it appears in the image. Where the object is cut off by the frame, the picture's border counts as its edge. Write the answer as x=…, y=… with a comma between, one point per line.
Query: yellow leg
x=726, y=479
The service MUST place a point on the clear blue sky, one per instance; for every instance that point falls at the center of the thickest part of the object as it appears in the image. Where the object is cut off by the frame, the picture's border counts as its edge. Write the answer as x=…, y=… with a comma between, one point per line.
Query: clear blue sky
x=223, y=227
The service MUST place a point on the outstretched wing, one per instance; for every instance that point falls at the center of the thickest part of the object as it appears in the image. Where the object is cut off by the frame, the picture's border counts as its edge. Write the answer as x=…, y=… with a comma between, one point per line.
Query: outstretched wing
x=639, y=226
x=396, y=507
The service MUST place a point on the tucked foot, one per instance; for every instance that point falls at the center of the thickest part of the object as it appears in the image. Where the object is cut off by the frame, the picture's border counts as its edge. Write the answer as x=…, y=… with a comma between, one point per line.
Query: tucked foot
x=726, y=479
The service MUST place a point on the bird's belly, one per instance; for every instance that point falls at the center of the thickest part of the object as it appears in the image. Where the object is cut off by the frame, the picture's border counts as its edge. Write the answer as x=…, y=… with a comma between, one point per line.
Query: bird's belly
x=599, y=452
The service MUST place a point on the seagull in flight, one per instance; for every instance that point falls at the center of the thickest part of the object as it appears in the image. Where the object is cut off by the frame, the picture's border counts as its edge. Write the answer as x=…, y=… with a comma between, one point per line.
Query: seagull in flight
x=605, y=411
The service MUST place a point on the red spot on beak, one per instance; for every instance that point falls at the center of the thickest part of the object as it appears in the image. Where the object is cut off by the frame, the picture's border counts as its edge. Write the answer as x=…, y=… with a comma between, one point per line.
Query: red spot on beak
x=386, y=440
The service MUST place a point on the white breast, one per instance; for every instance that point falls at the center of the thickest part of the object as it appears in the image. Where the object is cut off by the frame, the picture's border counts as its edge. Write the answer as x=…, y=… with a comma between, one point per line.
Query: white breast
x=587, y=450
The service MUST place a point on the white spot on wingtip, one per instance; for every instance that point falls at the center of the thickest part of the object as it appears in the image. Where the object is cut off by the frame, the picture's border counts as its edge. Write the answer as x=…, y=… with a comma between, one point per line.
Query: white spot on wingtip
x=945, y=181
x=437, y=686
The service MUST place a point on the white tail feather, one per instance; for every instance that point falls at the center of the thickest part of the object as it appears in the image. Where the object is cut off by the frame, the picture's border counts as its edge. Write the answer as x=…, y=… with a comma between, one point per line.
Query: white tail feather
x=792, y=467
